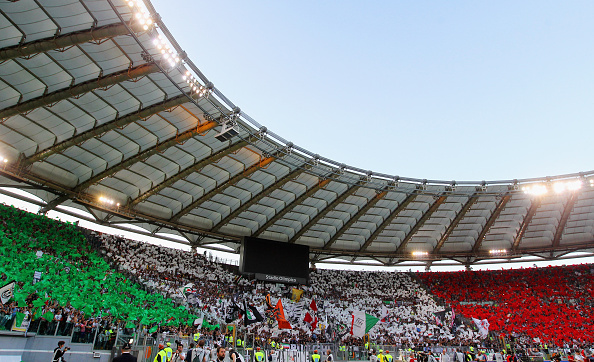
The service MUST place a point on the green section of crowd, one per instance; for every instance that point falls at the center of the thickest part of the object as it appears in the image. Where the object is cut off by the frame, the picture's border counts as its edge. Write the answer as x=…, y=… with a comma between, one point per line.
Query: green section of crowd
x=71, y=272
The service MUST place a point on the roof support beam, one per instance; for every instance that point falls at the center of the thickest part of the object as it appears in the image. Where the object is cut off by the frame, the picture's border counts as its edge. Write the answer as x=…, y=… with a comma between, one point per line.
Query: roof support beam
x=53, y=204
x=564, y=217
x=79, y=89
x=215, y=157
x=119, y=122
x=387, y=221
x=531, y=211
x=159, y=147
x=220, y=188
x=419, y=224
x=292, y=204
x=66, y=40
x=351, y=190
x=490, y=222
x=455, y=223
x=274, y=186
x=371, y=203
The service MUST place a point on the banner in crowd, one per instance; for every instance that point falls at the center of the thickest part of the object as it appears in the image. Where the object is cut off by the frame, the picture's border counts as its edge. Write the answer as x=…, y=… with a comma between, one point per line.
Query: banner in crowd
x=311, y=317
x=251, y=314
x=296, y=294
x=189, y=293
x=279, y=315
x=384, y=315
x=6, y=292
x=269, y=302
x=483, y=327
x=453, y=318
x=233, y=313
x=362, y=323
x=439, y=317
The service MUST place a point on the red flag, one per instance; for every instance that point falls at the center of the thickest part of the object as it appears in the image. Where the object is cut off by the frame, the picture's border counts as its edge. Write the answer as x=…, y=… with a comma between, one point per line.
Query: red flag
x=311, y=316
x=313, y=305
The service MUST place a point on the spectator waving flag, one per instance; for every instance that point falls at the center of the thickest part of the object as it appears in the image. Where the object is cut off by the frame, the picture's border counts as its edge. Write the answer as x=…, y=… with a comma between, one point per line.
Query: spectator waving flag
x=6, y=292
x=439, y=317
x=362, y=323
x=251, y=314
x=296, y=294
x=311, y=317
x=384, y=315
x=279, y=314
x=453, y=318
x=483, y=326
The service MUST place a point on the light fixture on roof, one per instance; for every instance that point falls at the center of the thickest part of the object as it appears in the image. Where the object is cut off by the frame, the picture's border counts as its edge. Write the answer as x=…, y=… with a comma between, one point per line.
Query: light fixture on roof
x=420, y=253
x=229, y=129
x=497, y=251
x=143, y=17
x=197, y=89
x=227, y=132
x=558, y=187
x=108, y=201
x=535, y=190
x=169, y=56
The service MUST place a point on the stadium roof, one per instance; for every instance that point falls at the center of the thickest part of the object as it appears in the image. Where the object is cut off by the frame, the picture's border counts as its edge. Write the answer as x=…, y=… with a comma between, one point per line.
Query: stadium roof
x=101, y=110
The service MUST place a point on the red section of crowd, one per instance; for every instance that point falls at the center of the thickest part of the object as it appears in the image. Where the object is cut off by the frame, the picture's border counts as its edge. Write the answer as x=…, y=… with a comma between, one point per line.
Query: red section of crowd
x=554, y=304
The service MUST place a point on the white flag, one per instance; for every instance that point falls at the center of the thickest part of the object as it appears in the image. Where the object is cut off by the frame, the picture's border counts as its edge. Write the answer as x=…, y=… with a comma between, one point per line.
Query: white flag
x=483, y=327
x=6, y=292
x=384, y=314
x=358, y=324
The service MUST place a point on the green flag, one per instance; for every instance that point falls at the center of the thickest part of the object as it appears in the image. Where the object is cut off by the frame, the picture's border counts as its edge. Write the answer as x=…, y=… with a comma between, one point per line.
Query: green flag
x=19, y=319
x=48, y=316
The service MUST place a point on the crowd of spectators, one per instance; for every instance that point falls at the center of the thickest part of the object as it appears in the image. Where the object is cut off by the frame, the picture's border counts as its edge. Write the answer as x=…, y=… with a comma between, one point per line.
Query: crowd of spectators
x=64, y=288
x=553, y=304
x=408, y=308
x=93, y=285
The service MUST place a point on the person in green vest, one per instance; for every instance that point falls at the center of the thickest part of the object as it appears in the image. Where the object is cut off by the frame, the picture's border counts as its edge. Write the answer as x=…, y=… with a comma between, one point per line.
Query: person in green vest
x=259, y=355
x=273, y=344
x=196, y=336
x=367, y=346
x=162, y=355
x=388, y=357
x=315, y=357
x=238, y=342
x=168, y=351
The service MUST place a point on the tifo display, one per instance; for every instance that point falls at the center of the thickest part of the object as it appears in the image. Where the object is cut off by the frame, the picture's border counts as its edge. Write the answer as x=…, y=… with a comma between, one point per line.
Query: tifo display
x=73, y=281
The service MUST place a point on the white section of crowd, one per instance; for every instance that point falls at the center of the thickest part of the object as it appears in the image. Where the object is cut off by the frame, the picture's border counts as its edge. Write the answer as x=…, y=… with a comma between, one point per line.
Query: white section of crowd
x=338, y=293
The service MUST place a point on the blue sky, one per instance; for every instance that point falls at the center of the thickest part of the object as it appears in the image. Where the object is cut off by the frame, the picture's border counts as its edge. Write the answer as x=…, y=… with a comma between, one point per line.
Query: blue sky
x=440, y=90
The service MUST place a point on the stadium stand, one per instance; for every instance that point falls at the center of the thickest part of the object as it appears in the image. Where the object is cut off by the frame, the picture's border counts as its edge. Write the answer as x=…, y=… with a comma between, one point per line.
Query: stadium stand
x=552, y=303
x=94, y=286
x=64, y=286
